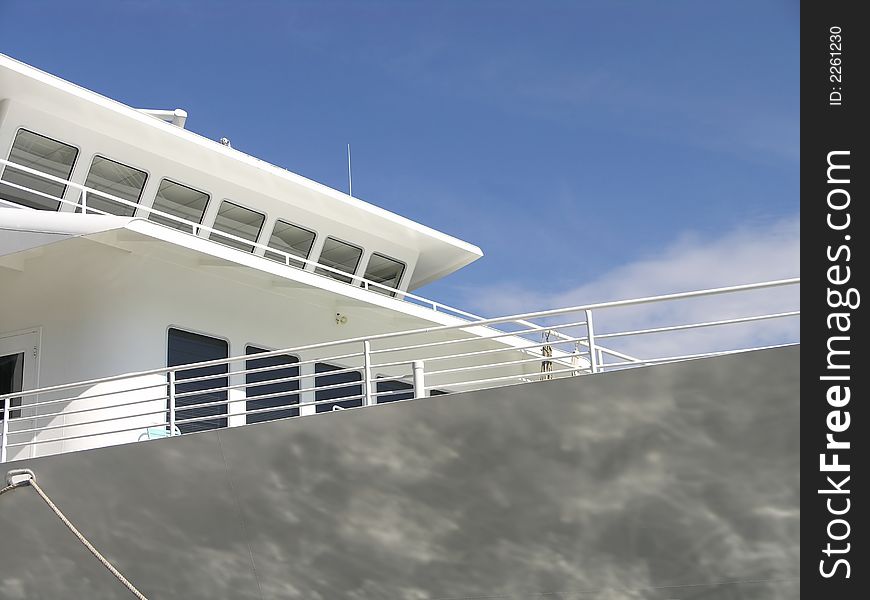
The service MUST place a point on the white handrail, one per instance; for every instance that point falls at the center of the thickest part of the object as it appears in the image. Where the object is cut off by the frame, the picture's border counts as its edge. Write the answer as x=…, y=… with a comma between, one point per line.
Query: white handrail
x=424, y=330
x=562, y=353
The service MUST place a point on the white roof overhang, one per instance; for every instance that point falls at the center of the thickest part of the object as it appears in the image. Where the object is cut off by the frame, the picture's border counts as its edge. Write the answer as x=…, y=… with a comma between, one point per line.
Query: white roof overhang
x=439, y=254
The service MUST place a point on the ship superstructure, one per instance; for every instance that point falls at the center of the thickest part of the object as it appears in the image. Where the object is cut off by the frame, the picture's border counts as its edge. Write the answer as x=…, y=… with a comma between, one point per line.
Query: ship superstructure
x=131, y=245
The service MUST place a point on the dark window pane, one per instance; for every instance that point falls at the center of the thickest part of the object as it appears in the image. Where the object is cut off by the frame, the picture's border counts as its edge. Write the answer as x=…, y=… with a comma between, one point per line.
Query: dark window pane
x=325, y=378
x=180, y=201
x=287, y=389
x=185, y=348
x=405, y=390
x=386, y=271
x=117, y=179
x=292, y=239
x=238, y=221
x=339, y=255
x=11, y=381
x=437, y=392
x=42, y=154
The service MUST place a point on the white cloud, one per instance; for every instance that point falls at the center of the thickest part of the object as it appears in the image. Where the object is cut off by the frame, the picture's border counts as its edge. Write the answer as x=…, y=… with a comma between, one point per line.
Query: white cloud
x=750, y=254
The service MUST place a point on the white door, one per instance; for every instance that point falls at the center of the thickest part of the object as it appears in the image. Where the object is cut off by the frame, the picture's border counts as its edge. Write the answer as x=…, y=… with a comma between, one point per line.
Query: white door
x=19, y=368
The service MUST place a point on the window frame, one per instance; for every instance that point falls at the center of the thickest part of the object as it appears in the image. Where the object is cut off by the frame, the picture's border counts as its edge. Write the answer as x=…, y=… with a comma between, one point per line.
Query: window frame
x=333, y=275
x=267, y=238
x=151, y=208
x=66, y=187
x=214, y=231
x=226, y=416
x=138, y=206
x=390, y=294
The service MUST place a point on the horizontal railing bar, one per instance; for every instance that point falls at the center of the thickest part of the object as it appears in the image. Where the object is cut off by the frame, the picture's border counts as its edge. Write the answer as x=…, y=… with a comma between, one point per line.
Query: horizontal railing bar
x=289, y=407
x=670, y=328
x=263, y=396
x=268, y=409
x=94, y=422
x=271, y=368
x=42, y=403
x=226, y=415
x=178, y=408
x=238, y=386
x=84, y=435
x=429, y=359
x=539, y=359
x=531, y=377
x=24, y=188
x=65, y=413
x=685, y=357
x=473, y=338
x=392, y=392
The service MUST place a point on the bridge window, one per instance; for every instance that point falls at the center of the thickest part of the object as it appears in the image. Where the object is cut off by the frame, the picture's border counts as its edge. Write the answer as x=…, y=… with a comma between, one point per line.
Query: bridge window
x=281, y=393
x=341, y=256
x=325, y=377
x=292, y=239
x=41, y=154
x=186, y=347
x=386, y=271
x=180, y=201
x=117, y=179
x=238, y=221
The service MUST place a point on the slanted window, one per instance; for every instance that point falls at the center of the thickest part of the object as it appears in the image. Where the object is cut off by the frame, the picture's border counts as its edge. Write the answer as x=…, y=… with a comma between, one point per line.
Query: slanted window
x=341, y=256
x=390, y=390
x=185, y=348
x=118, y=180
x=42, y=154
x=386, y=271
x=325, y=377
x=292, y=239
x=180, y=201
x=280, y=393
x=238, y=221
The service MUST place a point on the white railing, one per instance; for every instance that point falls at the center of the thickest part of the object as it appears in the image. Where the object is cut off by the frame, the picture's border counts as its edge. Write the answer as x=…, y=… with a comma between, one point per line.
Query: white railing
x=416, y=363
x=209, y=233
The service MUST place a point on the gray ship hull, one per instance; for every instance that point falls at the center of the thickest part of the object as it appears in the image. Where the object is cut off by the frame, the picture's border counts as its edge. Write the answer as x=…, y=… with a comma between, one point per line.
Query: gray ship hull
x=675, y=481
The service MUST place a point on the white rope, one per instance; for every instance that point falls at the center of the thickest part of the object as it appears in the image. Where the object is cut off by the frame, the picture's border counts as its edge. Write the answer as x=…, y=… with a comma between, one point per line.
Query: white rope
x=32, y=483
x=8, y=487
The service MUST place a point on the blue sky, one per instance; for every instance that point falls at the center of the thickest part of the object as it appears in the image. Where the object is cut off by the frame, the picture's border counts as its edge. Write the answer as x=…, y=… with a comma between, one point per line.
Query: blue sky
x=574, y=142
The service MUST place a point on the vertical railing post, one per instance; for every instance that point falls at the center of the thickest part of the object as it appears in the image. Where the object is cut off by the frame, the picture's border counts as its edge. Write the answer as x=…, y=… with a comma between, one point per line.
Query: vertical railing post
x=84, y=201
x=367, y=373
x=419, y=379
x=593, y=354
x=171, y=403
x=5, y=432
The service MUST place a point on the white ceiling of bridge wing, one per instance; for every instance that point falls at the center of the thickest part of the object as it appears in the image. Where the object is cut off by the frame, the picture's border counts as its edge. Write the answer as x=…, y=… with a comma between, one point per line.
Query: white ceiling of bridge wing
x=22, y=229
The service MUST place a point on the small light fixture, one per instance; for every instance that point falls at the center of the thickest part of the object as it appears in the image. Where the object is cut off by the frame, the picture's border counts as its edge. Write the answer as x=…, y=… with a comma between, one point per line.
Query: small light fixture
x=340, y=319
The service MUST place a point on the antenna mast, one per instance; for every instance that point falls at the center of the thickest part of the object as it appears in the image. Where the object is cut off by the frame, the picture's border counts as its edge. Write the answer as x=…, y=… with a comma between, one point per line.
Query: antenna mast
x=349, y=174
